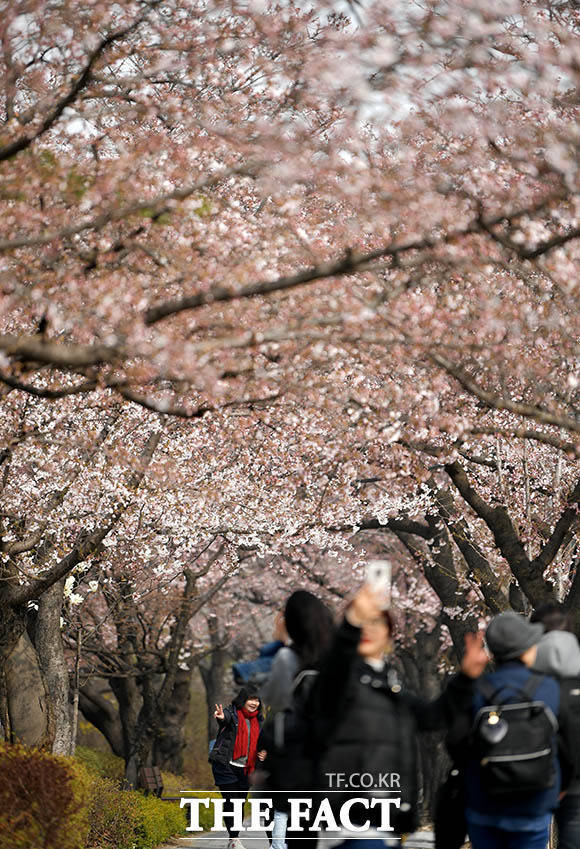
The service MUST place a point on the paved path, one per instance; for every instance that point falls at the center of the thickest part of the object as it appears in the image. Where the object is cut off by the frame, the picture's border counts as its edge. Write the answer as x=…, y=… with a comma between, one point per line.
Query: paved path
x=258, y=840
x=219, y=840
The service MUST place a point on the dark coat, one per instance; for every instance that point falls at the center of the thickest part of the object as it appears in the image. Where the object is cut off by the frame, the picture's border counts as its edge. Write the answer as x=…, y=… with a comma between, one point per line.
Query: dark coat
x=223, y=748
x=368, y=724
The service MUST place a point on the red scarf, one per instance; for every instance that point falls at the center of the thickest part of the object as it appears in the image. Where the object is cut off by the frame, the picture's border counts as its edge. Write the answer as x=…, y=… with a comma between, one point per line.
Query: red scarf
x=242, y=746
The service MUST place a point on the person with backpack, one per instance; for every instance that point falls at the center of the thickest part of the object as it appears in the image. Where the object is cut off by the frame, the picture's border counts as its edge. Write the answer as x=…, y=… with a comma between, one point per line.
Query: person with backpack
x=234, y=755
x=509, y=743
x=366, y=723
x=309, y=625
x=276, y=691
x=559, y=655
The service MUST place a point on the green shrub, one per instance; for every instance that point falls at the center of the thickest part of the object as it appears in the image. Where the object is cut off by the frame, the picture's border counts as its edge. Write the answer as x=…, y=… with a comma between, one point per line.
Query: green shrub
x=157, y=821
x=51, y=802
x=43, y=800
x=206, y=815
x=105, y=764
x=113, y=816
x=173, y=784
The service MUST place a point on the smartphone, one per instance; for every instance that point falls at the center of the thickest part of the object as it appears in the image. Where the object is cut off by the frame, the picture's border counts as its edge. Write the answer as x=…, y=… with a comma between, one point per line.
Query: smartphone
x=378, y=575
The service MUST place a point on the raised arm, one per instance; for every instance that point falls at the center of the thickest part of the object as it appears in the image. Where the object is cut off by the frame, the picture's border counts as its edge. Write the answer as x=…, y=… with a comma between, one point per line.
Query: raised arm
x=456, y=699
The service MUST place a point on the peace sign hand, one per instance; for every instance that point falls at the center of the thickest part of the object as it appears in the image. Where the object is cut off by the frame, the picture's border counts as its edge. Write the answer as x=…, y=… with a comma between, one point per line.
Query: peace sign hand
x=219, y=712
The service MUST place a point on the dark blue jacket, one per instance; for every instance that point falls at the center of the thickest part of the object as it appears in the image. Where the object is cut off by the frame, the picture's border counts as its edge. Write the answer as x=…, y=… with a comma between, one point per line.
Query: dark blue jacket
x=256, y=671
x=514, y=675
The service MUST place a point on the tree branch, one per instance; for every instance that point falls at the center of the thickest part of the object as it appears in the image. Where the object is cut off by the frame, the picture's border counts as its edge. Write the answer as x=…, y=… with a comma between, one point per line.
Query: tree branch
x=349, y=263
x=563, y=525
x=103, y=715
x=38, y=350
x=570, y=448
x=189, y=607
x=499, y=403
x=51, y=394
x=86, y=543
x=439, y=569
x=161, y=407
x=80, y=81
x=497, y=519
x=23, y=545
x=479, y=568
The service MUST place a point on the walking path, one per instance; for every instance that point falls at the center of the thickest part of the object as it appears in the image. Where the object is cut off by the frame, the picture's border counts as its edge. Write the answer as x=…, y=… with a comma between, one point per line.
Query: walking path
x=219, y=840
x=258, y=840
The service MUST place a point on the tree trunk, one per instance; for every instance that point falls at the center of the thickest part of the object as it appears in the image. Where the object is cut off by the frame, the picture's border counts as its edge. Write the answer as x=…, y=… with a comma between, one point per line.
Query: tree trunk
x=130, y=701
x=424, y=679
x=212, y=675
x=103, y=714
x=26, y=696
x=169, y=744
x=53, y=664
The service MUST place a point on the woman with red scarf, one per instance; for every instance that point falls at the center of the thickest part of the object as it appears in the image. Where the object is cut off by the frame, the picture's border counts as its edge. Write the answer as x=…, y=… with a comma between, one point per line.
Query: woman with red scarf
x=233, y=757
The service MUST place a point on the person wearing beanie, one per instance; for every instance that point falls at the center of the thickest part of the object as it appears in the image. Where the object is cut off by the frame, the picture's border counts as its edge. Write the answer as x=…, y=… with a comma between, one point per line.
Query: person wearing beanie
x=235, y=752
x=521, y=820
x=511, y=637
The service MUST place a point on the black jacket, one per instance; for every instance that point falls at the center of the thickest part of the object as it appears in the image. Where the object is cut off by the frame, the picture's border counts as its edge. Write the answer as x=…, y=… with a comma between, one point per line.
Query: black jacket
x=367, y=724
x=223, y=748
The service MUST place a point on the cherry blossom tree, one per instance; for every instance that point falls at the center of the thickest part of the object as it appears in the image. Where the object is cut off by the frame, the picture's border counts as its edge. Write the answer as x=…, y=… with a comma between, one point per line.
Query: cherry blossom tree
x=282, y=278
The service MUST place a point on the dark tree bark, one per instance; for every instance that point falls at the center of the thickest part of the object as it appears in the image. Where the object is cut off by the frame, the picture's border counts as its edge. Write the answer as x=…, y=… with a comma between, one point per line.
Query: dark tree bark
x=150, y=687
x=103, y=714
x=421, y=665
x=27, y=699
x=529, y=573
x=478, y=569
x=169, y=744
x=36, y=687
x=50, y=649
x=212, y=673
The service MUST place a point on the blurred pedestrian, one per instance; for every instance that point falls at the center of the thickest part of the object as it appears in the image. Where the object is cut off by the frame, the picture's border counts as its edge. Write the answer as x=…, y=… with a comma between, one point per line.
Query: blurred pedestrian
x=309, y=625
x=509, y=743
x=559, y=655
x=367, y=723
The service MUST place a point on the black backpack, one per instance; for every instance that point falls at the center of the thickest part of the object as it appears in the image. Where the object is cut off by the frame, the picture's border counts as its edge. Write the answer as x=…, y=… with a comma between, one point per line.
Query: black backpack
x=514, y=741
x=287, y=738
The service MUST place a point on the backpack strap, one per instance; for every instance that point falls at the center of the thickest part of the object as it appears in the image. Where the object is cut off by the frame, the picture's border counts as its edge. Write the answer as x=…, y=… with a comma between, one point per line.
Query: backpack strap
x=306, y=677
x=532, y=684
x=491, y=693
x=488, y=691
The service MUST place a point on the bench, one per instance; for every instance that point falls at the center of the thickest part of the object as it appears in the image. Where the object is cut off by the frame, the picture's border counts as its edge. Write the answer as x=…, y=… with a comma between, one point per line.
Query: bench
x=150, y=780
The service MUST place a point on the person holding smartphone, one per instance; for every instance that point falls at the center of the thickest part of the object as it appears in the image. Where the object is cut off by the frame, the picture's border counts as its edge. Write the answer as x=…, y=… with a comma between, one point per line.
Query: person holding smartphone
x=366, y=723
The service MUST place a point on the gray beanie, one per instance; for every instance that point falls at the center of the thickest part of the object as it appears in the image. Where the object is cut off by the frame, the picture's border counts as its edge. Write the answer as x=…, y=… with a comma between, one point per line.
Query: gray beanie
x=509, y=635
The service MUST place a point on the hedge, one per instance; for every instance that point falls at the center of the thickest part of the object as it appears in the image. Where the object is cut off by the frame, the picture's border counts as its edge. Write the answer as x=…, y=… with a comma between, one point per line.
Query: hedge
x=44, y=800
x=125, y=819
x=105, y=764
x=52, y=802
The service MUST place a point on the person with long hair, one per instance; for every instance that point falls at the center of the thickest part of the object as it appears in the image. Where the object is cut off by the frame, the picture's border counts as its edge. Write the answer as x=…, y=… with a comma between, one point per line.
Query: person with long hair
x=310, y=627
x=235, y=752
